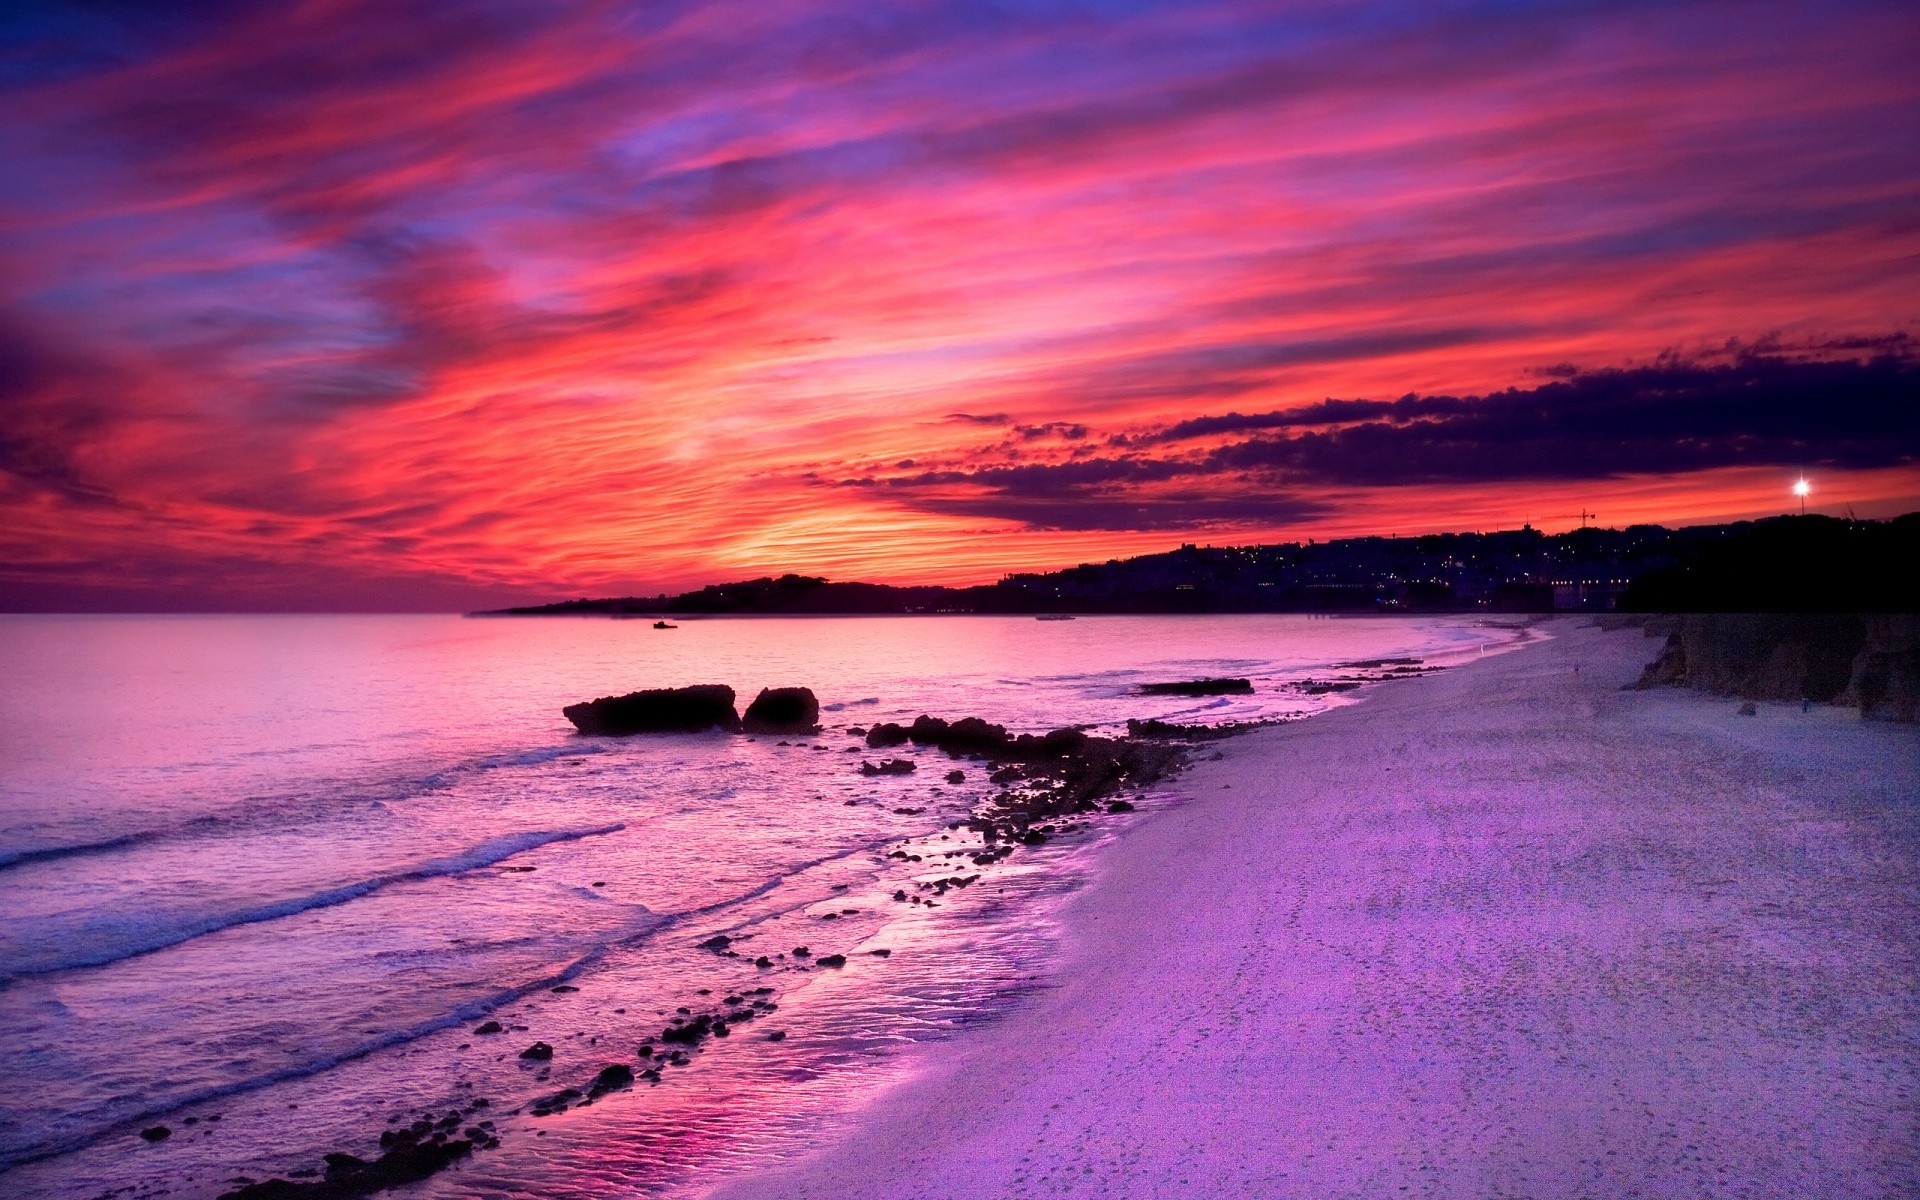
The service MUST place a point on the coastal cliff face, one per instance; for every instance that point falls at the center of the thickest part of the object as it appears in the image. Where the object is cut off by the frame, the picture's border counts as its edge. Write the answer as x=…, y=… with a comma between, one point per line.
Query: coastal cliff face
x=1886, y=673
x=1871, y=661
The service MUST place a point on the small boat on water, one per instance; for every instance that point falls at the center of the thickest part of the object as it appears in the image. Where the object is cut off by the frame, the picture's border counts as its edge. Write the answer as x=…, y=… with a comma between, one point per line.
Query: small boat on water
x=664, y=625
x=1053, y=617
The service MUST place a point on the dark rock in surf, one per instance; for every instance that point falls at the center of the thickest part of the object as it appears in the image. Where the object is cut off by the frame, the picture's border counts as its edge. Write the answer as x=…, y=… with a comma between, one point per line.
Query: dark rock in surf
x=783, y=710
x=538, y=1052
x=611, y=1079
x=892, y=766
x=956, y=776
x=658, y=710
x=156, y=1133
x=968, y=735
x=832, y=960
x=409, y=1160
x=490, y=1027
x=886, y=734
x=1198, y=687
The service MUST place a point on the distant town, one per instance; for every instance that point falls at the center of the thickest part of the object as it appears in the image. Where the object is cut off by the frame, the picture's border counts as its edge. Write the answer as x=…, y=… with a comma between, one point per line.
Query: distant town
x=1810, y=563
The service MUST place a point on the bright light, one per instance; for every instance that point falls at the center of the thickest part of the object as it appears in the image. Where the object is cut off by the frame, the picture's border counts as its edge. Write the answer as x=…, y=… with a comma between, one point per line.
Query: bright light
x=1802, y=488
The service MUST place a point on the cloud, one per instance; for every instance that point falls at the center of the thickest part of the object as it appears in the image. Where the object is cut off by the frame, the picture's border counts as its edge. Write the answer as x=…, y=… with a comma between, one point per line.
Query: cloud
x=555, y=293
x=1171, y=511
x=1674, y=417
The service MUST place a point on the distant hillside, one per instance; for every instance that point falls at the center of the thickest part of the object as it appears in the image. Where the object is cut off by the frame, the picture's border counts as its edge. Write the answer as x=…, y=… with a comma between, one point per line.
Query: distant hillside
x=1786, y=564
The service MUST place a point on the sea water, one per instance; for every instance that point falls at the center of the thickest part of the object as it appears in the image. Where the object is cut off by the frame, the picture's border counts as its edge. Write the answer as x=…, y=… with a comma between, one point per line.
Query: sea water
x=261, y=878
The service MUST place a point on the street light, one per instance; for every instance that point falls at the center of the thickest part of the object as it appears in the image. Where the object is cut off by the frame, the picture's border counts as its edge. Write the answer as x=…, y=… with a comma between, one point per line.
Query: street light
x=1800, y=489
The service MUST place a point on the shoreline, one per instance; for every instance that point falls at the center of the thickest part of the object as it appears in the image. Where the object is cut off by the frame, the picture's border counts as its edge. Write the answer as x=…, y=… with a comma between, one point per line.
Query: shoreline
x=1588, y=941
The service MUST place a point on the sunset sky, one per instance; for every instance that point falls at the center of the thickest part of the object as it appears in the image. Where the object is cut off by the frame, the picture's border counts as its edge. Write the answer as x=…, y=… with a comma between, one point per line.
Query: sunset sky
x=392, y=304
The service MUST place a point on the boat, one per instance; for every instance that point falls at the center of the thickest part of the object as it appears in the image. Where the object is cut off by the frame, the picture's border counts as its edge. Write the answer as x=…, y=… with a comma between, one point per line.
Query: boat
x=664, y=625
x=1053, y=617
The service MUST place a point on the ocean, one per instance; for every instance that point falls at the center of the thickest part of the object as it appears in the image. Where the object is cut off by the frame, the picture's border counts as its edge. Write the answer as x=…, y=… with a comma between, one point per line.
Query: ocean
x=263, y=877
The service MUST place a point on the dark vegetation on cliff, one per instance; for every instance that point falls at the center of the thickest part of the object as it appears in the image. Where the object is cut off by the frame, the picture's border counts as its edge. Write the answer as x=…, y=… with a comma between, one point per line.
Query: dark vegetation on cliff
x=1808, y=564
x=1817, y=564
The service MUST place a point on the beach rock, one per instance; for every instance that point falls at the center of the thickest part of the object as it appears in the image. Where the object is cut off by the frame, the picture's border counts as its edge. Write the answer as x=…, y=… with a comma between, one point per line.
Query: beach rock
x=156, y=1133
x=1185, y=733
x=490, y=1027
x=689, y=1034
x=1198, y=687
x=886, y=734
x=778, y=1035
x=832, y=960
x=410, y=1160
x=956, y=776
x=717, y=942
x=968, y=735
x=611, y=1079
x=1119, y=806
x=559, y=1102
x=1749, y=709
x=892, y=766
x=783, y=710
x=658, y=710
x=538, y=1052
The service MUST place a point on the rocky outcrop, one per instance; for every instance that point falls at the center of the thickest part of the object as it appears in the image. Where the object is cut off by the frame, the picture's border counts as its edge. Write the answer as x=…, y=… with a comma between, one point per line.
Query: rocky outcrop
x=1669, y=669
x=1885, y=682
x=1761, y=656
x=658, y=710
x=783, y=710
x=1871, y=661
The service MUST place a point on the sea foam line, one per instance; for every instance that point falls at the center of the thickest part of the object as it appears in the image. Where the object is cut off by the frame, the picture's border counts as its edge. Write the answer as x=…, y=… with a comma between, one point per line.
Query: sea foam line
x=469, y=1011
x=486, y=854
x=466, y=1012
x=300, y=807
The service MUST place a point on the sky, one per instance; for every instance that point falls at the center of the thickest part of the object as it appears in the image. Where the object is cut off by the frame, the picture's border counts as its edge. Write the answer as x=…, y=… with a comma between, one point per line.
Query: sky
x=334, y=304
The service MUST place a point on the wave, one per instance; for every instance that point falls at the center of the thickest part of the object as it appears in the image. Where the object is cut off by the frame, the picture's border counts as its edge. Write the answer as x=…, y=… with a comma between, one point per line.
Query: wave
x=304, y=806
x=486, y=854
x=466, y=1012
x=463, y=1014
x=15, y=858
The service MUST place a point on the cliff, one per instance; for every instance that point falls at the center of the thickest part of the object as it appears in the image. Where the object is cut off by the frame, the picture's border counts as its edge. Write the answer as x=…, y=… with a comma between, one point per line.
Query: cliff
x=1869, y=661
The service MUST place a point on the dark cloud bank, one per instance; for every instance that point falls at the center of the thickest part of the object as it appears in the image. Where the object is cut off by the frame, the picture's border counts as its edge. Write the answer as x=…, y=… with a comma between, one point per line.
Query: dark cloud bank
x=1673, y=417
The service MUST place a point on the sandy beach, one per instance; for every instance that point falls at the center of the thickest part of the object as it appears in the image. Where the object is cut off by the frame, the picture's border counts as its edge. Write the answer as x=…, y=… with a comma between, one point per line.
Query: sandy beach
x=1508, y=930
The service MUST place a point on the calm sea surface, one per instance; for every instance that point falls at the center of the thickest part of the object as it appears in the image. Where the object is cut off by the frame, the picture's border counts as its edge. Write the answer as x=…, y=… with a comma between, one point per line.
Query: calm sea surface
x=261, y=877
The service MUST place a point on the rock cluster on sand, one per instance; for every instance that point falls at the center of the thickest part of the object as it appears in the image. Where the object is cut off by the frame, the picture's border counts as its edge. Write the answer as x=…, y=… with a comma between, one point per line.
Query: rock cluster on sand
x=783, y=710
x=1064, y=771
x=658, y=710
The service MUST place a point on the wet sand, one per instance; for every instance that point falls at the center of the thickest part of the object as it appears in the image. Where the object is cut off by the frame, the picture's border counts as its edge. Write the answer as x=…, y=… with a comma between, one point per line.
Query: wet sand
x=1503, y=931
